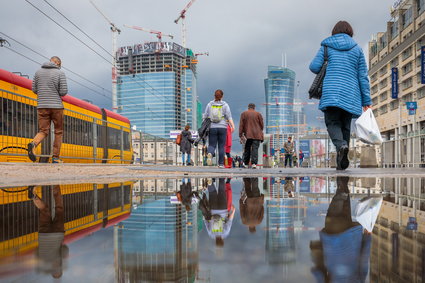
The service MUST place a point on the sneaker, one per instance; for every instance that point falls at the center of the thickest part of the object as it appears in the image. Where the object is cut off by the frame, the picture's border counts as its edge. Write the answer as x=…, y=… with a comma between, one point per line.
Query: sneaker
x=209, y=159
x=209, y=181
x=31, y=192
x=254, y=166
x=56, y=160
x=31, y=154
x=220, y=166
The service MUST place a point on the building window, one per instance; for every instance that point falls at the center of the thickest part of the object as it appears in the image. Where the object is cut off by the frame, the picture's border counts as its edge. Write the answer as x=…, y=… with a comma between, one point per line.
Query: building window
x=393, y=104
x=407, y=83
x=407, y=18
x=421, y=92
x=383, y=70
x=374, y=89
x=394, y=30
x=407, y=68
x=394, y=62
x=375, y=101
x=374, y=77
x=151, y=145
x=383, y=83
x=375, y=112
x=406, y=53
x=383, y=109
x=383, y=96
x=420, y=5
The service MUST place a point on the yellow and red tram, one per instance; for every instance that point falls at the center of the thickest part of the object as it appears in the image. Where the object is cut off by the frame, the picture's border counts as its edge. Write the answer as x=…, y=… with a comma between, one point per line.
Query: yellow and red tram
x=91, y=133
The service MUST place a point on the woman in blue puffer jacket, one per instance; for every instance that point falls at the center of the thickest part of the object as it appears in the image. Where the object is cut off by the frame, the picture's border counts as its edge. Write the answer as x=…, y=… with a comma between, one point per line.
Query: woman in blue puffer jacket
x=345, y=87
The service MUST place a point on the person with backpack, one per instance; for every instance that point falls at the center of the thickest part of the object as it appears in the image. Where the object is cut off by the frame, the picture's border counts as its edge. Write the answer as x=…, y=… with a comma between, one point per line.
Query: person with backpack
x=219, y=112
x=186, y=144
x=346, y=88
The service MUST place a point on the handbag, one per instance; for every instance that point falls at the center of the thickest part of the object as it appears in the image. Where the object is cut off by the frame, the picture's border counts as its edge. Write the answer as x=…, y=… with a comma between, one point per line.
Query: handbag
x=316, y=88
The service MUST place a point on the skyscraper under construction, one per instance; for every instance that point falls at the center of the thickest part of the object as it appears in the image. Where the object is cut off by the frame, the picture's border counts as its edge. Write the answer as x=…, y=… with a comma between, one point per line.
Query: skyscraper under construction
x=157, y=87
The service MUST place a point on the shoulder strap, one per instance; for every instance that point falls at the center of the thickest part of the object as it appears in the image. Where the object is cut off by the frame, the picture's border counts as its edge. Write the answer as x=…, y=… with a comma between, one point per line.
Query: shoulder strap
x=326, y=53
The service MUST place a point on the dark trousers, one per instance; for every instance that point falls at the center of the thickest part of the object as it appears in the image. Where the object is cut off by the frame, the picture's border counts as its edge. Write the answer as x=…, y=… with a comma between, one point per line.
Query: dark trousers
x=251, y=187
x=217, y=136
x=217, y=198
x=338, y=123
x=251, y=151
x=288, y=157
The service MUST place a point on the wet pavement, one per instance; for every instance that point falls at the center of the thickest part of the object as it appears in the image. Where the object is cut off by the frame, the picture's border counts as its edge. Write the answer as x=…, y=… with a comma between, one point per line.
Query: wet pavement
x=243, y=229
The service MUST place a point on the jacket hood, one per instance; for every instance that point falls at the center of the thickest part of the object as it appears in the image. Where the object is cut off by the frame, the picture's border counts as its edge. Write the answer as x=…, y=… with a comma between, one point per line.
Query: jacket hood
x=340, y=41
x=221, y=102
x=49, y=65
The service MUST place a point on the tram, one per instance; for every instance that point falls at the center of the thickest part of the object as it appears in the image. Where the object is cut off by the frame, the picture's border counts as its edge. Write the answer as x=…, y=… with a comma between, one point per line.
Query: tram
x=87, y=208
x=91, y=134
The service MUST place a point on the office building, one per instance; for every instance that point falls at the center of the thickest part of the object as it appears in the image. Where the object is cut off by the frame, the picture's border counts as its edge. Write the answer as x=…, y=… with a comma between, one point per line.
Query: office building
x=398, y=51
x=157, y=87
x=279, y=92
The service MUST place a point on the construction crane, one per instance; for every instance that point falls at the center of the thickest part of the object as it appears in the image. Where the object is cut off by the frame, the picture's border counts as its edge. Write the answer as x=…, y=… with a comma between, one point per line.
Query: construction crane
x=158, y=34
x=182, y=16
x=115, y=32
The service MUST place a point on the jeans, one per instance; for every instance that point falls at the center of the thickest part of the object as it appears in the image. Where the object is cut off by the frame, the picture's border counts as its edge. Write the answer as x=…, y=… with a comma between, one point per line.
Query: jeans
x=217, y=136
x=288, y=157
x=45, y=116
x=338, y=123
x=251, y=151
x=217, y=197
x=188, y=158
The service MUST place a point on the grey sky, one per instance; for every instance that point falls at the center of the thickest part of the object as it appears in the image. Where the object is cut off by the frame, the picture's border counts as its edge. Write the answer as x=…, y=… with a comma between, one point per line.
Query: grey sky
x=243, y=37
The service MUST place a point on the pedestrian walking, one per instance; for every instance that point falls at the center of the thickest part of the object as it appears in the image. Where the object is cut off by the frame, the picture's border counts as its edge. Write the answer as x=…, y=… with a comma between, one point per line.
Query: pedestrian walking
x=288, y=146
x=186, y=145
x=219, y=113
x=251, y=126
x=50, y=86
x=300, y=158
x=346, y=86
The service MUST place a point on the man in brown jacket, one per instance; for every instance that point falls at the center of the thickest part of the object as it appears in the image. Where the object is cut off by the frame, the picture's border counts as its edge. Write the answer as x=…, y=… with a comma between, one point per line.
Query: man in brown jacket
x=251, y=127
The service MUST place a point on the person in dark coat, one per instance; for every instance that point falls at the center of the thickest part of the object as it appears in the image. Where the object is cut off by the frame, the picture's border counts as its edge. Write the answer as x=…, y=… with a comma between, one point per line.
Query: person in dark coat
x=186, y=194
x=346, y=87
x=251, y=126
x=186, y=144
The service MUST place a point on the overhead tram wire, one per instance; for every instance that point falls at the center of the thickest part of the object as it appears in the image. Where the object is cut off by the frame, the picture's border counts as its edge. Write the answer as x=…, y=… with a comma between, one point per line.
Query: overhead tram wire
x=32, y=60
x=35, y=7
x=47, y=58
x=95, y=42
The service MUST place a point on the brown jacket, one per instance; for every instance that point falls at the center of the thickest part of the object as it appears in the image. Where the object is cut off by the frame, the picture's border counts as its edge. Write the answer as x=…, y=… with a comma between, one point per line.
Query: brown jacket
x=251, y=124
x=252, y=210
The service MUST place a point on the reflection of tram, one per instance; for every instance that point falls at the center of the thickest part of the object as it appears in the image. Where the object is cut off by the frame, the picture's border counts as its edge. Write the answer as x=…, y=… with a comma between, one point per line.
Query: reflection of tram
x=91, y=134
x=87, y=208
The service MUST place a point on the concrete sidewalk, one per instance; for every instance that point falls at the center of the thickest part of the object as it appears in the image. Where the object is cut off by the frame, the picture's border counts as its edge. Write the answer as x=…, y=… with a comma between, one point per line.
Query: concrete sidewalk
x=24, y=174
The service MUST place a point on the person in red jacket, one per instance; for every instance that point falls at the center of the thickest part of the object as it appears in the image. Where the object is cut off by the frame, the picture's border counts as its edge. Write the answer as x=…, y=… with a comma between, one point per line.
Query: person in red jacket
x=228, y=148
x=251, y=126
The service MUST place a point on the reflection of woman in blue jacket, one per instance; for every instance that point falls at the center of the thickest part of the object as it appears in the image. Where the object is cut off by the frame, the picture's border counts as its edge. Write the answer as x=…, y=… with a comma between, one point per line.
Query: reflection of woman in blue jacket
x=342, y=254
x=345, y=87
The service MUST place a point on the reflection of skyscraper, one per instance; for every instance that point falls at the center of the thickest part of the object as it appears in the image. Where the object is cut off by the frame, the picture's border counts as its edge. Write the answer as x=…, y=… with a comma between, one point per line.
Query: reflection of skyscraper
x=158, y=243
x=279, y=88
x=280, y=237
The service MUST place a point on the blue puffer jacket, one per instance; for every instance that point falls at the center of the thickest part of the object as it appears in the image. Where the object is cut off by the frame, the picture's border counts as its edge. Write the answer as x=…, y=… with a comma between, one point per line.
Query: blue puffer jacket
x=346, y=84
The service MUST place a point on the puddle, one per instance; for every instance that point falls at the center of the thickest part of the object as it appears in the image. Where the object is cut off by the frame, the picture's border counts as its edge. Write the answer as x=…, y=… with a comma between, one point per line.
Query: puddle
x=305, y=229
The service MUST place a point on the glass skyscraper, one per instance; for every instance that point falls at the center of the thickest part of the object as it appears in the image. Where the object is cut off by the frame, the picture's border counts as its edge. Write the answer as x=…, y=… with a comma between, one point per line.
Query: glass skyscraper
x=280, y=89
x=157, y=87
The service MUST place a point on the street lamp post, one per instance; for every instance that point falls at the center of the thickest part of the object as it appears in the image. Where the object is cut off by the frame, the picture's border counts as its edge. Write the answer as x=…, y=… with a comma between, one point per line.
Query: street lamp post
x=297, y=147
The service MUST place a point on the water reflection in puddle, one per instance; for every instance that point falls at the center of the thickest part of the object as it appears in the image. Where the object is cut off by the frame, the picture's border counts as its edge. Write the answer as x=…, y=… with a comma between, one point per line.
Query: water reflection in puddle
x=215, y=230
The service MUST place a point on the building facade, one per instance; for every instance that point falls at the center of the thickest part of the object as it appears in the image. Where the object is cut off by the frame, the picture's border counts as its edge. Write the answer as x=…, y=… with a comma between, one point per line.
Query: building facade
x=157, y=87
x=279, y=91
x=398, y=50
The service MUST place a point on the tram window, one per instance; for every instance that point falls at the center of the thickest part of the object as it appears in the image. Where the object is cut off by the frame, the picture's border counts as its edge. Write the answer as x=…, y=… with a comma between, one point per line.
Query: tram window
x=114, y=138
x=127, y=141
x=77, y=131
x=17, y=119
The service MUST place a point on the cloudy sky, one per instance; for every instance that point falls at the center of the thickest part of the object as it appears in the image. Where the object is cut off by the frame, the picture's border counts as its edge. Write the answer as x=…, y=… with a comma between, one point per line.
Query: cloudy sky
x=242, y=37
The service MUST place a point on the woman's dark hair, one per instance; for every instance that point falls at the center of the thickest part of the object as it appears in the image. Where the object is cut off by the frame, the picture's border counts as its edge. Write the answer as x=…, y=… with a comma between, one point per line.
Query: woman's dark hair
x=343, y=27
x=218, y=95
x=187, y=127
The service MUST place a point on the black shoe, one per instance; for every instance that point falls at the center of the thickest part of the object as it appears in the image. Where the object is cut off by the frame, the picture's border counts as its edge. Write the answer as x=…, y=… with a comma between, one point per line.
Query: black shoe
x=31, y=154
x=344, y=159
x=31, y=192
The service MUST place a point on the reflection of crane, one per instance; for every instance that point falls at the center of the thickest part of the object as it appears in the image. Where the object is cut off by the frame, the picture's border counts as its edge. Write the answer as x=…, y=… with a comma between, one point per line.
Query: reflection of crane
x=115, y=31
x=158, y=34
x=183, y=16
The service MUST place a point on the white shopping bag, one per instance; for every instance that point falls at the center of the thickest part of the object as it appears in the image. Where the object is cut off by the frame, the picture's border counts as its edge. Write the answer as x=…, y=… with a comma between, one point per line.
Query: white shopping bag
x=367, y=129
x=366, y=212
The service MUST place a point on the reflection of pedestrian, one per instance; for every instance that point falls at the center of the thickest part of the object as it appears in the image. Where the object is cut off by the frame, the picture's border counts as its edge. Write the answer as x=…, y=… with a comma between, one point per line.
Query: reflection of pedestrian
x=345, y=87
x=289, y=151
x=342, y=254
x=186, y=144
x=251, y=126
x=251, y=204
x=185, y=194
x=289, y=186
x=51, y=232
x=50, y=85
x=218, y=216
